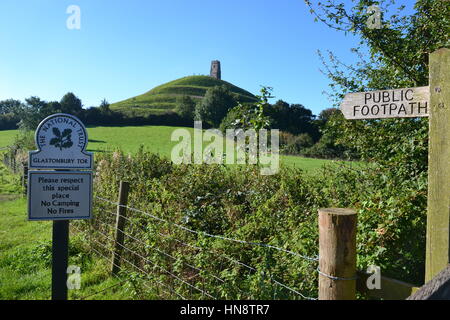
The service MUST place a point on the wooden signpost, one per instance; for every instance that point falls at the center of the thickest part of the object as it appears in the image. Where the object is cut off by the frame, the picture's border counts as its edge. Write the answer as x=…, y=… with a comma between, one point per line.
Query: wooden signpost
x=62, y=191
x=433, y=102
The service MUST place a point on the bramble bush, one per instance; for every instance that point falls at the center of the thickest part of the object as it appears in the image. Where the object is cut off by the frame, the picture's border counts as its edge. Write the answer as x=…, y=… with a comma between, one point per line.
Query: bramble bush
x=237, y=202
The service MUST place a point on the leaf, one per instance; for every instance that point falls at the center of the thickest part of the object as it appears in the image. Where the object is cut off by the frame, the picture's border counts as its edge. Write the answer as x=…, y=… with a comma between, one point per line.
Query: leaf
x=67, y=144
x=56, y=132
x=54, y=141
x=66, y=132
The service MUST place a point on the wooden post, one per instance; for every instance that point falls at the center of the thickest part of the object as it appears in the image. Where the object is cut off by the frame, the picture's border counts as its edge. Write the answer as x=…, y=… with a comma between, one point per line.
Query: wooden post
x=25, y=178
x=438, y=215
x=120, y=226
x=337, y=254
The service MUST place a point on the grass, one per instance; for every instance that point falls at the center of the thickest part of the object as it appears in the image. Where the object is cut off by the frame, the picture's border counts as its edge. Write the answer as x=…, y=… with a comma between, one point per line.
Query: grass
x=25, y=255
x=163, y=98
x=155, y=139
x=25, y=260
x=7, y=137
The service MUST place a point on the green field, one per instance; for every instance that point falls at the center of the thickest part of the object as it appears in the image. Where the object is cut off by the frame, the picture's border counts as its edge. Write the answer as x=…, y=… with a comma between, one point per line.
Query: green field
x=7, y=137
x=25, y=255
x=155, y=139
x=162, y=99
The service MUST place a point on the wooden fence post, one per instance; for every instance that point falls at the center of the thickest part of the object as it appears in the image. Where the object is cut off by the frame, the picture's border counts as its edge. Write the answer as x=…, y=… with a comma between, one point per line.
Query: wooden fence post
x=438, y=215
x=25, y=178
x=337, y=254
x=120, y=226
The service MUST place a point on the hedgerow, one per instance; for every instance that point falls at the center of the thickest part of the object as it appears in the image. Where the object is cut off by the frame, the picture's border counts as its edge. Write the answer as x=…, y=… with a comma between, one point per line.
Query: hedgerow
x=237, y=202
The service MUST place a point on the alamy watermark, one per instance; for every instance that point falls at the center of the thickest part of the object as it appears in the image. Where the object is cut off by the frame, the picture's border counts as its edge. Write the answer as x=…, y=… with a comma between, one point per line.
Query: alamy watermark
x=73, y=278
x=374, y=280
x=374, y=20
x=73, y=22
x=241, y=147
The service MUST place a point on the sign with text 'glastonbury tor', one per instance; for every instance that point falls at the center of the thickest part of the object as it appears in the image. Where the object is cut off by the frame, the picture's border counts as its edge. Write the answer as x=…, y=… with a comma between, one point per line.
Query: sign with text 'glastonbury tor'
x=61, y=140
x=398, y=103
x=63, y=191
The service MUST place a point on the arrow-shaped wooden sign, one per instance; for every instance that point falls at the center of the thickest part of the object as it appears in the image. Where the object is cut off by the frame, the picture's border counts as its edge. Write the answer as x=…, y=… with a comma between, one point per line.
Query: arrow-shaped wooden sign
x=397, y=103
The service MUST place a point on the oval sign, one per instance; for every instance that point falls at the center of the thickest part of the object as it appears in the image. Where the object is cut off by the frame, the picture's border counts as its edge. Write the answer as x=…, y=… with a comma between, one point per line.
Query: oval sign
x=61, y=140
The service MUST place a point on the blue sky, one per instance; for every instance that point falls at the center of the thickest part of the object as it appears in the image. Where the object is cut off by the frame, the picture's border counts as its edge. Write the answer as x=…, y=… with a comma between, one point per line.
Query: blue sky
x=125, y=48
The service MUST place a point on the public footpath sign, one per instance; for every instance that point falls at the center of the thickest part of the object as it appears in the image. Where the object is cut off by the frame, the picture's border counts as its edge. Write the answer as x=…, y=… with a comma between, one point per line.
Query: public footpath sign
x=432, y=101
x=398, y=103
x=54, y=195
x=63, y=190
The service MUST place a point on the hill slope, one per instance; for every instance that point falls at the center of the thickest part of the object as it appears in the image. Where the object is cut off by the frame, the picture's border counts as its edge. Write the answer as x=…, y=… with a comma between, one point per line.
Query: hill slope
x=162, y=99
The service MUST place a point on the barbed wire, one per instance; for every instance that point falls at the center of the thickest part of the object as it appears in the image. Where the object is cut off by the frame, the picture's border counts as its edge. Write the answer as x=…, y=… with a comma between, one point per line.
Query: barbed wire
x=111, y=261
x=208, y=234
x=329, y=276
x=235, y=261
x=160, y=251
x=275, y=281
x=156, y=265
x=98, y=292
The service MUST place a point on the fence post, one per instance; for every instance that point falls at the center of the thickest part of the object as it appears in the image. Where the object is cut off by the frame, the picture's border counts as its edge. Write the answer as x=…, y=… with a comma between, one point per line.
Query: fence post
x=25, y=178
x=120, y=226
x=337, y=254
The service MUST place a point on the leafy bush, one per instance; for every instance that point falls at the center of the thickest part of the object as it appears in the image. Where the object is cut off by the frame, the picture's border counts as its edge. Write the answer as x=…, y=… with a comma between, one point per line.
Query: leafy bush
x=238, y=202
x=291, y=144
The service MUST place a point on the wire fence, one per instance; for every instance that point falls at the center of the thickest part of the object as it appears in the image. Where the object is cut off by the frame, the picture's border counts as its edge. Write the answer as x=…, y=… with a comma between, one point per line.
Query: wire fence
x=163, y=259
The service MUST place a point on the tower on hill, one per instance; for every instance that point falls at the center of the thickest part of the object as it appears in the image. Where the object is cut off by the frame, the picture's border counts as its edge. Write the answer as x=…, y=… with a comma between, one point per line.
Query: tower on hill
x=215, y=69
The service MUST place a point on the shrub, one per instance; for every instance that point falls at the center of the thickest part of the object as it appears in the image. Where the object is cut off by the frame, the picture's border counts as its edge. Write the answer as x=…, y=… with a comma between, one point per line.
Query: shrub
x=281, y=210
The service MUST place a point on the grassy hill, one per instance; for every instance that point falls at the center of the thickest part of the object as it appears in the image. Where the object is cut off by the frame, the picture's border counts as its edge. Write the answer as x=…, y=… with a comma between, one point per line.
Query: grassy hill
x=162, y=99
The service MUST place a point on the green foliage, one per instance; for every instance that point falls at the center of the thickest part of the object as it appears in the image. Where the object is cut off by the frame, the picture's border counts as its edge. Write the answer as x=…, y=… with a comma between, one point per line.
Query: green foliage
x=185, y=107
x=238, y=202
x=292, y=118
x=215, y=105
x=104, y=106
x=393, y=56
x=250, y=116
x=34, y=110
x=71, y=104
x=291, y=144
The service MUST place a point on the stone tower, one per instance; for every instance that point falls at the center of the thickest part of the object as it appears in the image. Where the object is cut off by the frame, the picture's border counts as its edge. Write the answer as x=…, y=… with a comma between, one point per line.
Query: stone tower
x=215, y=69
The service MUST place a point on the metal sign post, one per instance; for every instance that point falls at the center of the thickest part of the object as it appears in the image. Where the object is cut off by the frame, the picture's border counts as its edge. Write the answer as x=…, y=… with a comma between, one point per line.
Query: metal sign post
x=60, y=258
x=60, y=193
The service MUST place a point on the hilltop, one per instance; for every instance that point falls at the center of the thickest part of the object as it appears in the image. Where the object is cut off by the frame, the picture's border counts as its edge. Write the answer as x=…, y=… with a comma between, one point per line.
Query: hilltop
x=162, y=99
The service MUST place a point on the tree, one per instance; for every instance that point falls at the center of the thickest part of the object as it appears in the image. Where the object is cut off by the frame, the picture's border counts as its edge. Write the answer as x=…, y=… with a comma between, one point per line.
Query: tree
x=50, y=108
x=326, y=114
x=10, y=106
x=31, y=114
x=71, y=104
x=185, y=107
x=215, y=105
x=293, y=118
x=392, y=56
x=395, y=55
x=104, y=106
